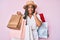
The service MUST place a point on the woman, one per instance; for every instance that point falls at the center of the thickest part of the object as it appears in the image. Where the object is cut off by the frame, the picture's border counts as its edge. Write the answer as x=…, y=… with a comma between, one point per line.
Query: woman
x=32, y=18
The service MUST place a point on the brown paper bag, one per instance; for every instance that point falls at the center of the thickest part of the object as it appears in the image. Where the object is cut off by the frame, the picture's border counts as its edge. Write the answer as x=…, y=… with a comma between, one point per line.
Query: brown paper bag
x=14, y=22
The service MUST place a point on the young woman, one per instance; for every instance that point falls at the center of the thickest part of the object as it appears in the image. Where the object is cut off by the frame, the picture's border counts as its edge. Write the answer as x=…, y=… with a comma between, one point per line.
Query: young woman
x=32, y=18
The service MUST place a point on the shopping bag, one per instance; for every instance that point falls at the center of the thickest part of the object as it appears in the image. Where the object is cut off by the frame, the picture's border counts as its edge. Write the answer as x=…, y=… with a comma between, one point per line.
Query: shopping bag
x=42, y=17
x=14, y=22
x=43, y=30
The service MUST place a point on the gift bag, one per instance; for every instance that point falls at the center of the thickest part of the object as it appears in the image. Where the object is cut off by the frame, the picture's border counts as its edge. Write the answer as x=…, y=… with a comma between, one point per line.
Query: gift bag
x=43, y=29
x=14, y=22
x=42, y=17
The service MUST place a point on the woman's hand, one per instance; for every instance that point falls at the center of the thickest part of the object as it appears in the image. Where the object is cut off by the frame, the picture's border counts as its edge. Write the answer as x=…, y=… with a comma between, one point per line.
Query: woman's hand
x=35, y=13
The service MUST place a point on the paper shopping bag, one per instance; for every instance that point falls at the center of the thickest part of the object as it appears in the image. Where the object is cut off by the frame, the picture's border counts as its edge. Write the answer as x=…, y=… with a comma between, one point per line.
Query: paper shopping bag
x=14, y=22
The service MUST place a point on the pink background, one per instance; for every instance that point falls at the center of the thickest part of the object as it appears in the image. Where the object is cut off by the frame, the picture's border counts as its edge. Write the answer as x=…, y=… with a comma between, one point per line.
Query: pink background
x=50, y=8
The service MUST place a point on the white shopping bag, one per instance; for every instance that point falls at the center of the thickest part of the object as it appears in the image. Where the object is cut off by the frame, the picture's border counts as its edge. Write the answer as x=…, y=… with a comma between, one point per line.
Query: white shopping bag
x=43, y=30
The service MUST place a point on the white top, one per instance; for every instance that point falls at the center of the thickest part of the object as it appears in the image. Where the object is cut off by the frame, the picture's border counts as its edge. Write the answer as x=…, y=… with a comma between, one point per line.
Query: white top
x=31, y=22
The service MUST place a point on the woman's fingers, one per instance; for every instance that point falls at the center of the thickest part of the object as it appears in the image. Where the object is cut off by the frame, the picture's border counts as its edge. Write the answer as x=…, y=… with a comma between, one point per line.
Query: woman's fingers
x=35, y=13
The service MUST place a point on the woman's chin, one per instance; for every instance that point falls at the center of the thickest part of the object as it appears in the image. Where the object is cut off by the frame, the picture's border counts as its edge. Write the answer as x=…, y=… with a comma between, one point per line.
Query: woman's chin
x=30, y=12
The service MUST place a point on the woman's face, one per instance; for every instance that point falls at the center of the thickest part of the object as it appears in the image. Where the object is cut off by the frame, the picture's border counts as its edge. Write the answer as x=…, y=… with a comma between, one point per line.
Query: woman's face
x=30, y=9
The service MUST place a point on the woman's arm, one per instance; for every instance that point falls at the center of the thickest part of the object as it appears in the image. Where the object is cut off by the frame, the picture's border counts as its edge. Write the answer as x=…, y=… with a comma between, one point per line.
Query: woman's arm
x=38, y=22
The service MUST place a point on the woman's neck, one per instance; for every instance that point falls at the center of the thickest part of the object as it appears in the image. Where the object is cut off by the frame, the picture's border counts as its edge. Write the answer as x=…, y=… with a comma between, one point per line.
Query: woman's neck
x=30, y=15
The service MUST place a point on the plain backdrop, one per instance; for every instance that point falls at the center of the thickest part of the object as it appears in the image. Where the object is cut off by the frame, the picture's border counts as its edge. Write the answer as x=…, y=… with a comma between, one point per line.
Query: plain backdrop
x=50, y=9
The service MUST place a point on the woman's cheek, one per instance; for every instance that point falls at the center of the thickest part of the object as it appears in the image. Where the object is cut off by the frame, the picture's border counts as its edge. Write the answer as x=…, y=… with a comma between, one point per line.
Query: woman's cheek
x=30, y=10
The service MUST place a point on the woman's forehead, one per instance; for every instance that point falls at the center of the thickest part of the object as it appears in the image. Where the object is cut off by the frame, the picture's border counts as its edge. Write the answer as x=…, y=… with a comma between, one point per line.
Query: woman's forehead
x=30, y=5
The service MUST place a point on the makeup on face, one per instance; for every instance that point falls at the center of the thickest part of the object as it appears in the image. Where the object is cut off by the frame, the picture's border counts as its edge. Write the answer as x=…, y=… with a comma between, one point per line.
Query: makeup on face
x=30, y=9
